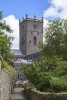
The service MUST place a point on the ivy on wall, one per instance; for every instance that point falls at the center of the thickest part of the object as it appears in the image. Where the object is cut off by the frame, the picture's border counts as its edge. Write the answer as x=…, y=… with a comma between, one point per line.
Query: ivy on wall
x=10, y=70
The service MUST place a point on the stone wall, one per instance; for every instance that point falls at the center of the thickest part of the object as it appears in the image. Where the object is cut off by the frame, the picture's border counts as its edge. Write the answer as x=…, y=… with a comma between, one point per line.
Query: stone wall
x=5, y=84
x=36, y=95
x=28, y=29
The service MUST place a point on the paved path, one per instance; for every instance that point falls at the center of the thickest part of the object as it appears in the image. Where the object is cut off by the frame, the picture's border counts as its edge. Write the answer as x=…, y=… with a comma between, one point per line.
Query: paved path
x=18, y=94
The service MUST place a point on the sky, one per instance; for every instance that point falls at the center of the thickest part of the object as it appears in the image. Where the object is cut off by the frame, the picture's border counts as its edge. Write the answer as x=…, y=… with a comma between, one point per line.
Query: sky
x=13, y=10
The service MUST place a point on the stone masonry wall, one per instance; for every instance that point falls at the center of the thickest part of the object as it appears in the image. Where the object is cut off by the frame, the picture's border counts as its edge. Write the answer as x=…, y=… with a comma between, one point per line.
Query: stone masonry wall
x=5, y=84
x=28, y=29
x=36, y=95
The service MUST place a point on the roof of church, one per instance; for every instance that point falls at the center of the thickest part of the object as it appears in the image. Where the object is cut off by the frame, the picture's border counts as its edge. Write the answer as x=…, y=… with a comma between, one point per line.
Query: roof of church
x=16, y=52
x=22, y=61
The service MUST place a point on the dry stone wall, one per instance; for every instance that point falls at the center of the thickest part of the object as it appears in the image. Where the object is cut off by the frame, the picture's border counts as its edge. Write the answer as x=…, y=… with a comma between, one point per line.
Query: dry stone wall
x=5, y=84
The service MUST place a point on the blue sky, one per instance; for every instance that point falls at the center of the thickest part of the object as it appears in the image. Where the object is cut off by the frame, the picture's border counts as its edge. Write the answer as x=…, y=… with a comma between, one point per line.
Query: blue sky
x=13, y=10
x=19, y=8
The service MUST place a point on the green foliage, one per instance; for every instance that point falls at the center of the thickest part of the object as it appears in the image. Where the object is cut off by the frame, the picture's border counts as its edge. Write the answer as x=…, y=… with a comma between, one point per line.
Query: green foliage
x=55, y=39
x=50, y=72
x=3, y=25
x=5, y=40
x=27, y=85
x=48, y=75
x=5, y=45
x=59, y=84
x=61, y=68
x=10, y=70
x=45, y=83
x=33, y=73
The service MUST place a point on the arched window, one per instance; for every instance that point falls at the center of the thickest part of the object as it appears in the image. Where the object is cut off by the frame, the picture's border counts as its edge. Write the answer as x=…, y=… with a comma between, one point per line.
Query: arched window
x=35, y=40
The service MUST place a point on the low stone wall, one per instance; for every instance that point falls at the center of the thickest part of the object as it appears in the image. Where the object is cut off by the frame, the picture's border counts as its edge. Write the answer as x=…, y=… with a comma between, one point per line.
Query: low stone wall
x=36, y=95
x=5, y=84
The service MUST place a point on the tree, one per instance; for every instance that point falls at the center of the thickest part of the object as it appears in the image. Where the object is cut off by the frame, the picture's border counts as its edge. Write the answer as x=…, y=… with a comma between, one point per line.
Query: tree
x=5, y=40
x=56, y=39
x=51, y=76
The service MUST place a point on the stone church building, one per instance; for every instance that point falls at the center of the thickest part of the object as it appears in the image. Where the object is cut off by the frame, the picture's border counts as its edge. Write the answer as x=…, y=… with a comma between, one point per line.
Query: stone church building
x=30, y=34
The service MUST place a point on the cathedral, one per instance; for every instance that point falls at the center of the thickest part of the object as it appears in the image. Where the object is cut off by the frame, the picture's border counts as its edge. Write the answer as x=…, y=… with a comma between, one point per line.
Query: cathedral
x=30, y=34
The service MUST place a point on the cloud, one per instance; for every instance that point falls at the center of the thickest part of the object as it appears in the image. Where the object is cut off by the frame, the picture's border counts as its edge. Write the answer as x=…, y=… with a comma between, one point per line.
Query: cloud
x=61, y=4
x=57, y=9
x=45, y=23
x=14, y=24
x=50, y=12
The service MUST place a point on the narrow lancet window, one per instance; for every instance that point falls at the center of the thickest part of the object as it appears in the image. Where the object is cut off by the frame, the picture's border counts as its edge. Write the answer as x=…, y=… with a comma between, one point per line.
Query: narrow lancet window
x=35, y=40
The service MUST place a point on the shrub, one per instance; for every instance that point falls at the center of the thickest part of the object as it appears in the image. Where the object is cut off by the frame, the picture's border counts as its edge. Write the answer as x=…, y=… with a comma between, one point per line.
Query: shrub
x=48, y=75
x=10, y=70
x=58, y=84
x=45, y=83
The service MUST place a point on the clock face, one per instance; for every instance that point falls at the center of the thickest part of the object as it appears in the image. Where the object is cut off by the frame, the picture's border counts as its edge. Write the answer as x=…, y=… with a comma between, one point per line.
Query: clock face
x=35, y=33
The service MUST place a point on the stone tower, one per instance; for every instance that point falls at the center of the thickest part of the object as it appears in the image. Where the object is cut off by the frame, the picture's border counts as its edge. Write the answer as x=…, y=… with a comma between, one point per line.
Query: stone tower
x=30, y=34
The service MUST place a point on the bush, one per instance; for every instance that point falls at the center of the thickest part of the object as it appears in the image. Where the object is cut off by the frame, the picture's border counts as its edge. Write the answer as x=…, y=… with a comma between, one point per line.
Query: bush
x=48, y=75
x=10, y=70
x=44, y=85
x=58, y=84
x=61, y=68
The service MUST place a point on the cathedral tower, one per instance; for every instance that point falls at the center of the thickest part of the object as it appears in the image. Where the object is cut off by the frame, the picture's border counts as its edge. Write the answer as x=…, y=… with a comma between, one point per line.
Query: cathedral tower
x=30, y=33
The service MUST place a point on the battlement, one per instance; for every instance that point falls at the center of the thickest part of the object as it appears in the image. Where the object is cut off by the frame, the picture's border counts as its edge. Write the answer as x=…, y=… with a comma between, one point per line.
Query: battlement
x=31, y=19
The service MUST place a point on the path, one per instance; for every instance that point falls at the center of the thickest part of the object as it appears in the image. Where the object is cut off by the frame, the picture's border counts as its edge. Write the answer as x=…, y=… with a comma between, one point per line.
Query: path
x=18, y=94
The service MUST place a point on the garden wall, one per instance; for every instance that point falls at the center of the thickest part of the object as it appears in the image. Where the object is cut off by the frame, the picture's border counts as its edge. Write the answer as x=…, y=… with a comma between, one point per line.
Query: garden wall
x=5, y=84
x=36, y=95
